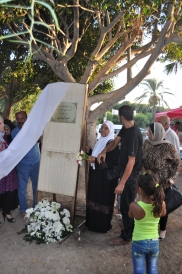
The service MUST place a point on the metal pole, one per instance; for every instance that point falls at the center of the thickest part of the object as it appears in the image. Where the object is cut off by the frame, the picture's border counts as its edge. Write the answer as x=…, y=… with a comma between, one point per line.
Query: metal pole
x=65, y=238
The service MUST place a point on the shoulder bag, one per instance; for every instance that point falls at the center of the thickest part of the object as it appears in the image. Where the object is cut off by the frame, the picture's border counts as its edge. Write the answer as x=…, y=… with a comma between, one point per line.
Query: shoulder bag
x=173, y=198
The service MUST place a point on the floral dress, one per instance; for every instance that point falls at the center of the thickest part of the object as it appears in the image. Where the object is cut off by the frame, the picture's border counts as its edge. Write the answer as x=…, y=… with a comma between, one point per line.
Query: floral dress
x=161, y=160
x=9, y=182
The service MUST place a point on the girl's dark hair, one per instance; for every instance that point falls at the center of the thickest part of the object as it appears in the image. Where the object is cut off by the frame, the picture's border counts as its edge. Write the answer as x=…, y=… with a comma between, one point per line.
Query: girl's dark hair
x=148, y=183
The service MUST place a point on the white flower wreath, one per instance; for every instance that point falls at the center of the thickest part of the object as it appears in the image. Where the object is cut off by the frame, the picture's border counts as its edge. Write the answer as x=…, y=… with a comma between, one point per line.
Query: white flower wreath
x=47, y=222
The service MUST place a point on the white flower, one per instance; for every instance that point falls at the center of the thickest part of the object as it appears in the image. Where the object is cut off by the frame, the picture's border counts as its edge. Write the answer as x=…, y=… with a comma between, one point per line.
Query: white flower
x=28, y=228
x=55, y=206
x=29, y=210
x=43, y=203
x=43, y=209
x=66, y=213
x=44, y=221
x=52, y=215
x=66, y=221
x=58, y=226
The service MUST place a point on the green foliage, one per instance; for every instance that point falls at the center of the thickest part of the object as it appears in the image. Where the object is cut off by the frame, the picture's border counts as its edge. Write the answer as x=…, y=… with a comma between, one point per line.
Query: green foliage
x=19, y=11
x=30, y=239
x=80, y=41
x=173, y=54
x=141, y=120
x=18, y=78
x=2, y=105
x=115, y=120
x=155, y=91
x=26, y=104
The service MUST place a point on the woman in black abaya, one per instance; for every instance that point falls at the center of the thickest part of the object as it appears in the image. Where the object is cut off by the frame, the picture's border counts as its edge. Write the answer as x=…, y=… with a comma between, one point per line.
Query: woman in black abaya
x=100, y=197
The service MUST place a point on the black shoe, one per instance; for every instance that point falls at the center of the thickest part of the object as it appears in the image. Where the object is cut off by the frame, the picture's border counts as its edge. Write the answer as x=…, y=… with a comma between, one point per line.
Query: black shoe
x=10, y=220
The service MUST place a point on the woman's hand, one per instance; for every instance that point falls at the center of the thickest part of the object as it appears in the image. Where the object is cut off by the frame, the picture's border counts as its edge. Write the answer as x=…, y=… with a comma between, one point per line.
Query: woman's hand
x=171, y=181
x=101, y=157
x=91, y=159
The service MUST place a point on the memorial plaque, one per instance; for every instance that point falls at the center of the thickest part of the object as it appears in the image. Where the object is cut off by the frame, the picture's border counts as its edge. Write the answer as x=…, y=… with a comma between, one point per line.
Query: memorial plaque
x=65, y=113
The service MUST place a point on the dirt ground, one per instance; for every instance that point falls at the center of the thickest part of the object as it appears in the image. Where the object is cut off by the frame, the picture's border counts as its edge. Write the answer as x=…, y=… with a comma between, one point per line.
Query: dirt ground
x=84, y=251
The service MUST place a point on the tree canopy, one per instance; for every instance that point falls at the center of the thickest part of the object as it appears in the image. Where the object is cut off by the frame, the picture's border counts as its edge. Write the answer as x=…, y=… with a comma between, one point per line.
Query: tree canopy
x=174, y=56
x=19, y=78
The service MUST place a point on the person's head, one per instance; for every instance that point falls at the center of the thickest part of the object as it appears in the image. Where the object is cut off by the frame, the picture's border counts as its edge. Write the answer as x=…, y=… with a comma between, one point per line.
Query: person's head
x=107, y=128
x=1, y=123
x=7, y=129
x=177, y=124
x=165, y=121
x=148, y=185
x=125, y=114
x=21, y=117
x=156, y=132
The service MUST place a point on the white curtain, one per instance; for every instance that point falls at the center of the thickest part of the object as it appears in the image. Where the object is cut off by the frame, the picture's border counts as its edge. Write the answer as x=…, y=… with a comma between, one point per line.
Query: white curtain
x=40, y=114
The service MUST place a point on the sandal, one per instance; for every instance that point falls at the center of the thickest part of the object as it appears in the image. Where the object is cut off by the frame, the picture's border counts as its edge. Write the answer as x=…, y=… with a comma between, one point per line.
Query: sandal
x=10, y=220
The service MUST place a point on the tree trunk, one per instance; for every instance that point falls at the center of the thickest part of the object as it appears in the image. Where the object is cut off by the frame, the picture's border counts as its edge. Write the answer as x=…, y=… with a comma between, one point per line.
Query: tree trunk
x=7, y=108
x=80, y=209
x=91, y=134
x=153, y=113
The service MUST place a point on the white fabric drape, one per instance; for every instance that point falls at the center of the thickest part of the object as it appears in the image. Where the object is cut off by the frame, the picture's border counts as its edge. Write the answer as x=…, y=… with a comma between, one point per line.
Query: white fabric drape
x=31, y=131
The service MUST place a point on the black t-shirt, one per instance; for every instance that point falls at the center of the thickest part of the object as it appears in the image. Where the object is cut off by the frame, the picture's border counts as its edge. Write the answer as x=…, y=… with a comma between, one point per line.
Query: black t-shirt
x=131, y=145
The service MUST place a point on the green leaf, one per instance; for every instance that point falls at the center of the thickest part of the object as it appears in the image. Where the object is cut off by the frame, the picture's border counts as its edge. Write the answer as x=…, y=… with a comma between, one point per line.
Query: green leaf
x=15, y=6
x=13, y=35
x=4, y=1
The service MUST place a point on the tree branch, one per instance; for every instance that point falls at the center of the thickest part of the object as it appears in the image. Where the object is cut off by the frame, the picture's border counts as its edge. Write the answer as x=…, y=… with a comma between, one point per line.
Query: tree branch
x=111, y=63
x=75, y=39
x=76, y=6
x=174, y=38
x=123, y=91
x=125, y=66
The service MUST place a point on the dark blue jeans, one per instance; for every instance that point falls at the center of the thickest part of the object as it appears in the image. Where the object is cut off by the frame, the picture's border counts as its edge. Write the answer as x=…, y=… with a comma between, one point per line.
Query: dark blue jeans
x=24, y=172
x=145, y=252
x=127, y=196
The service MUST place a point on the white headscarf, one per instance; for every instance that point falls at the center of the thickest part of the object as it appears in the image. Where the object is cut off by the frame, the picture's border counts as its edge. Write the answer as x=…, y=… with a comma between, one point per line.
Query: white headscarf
x=2, y=135
x=101, y=143
x=159, y=135
x=2, y=141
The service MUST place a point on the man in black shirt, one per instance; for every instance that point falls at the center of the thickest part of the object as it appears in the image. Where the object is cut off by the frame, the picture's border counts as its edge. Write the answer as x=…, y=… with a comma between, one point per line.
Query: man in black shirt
x=130, y=164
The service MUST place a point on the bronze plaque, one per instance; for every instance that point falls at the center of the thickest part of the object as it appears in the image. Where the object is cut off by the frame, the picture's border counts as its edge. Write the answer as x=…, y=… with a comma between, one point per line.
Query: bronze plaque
x=65, y=113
